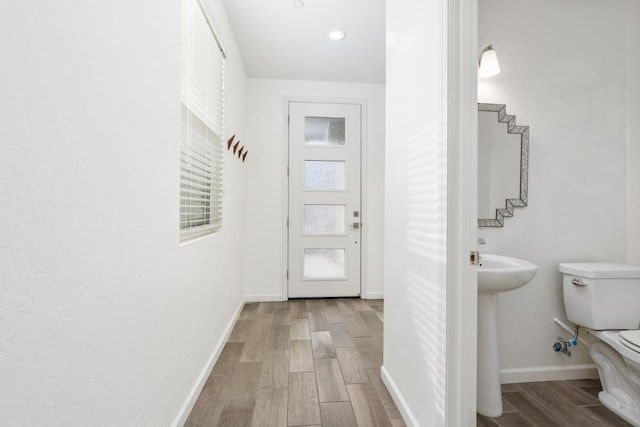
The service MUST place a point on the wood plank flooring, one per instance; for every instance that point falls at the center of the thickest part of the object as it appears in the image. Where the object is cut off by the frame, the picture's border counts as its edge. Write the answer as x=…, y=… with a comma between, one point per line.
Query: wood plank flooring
x=300, y=363
x=553, y=404
x=317, y=363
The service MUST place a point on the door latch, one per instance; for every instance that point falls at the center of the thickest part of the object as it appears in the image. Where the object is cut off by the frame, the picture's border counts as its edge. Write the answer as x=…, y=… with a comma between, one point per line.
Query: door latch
x=474, y=259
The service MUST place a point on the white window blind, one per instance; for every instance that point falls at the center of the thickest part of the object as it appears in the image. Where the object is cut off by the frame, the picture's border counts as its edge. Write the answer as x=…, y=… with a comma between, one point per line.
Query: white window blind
x=202, y=116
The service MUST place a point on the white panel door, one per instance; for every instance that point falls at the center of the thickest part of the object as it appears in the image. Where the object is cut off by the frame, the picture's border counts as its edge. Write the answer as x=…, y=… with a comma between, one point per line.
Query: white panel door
x=324, y=200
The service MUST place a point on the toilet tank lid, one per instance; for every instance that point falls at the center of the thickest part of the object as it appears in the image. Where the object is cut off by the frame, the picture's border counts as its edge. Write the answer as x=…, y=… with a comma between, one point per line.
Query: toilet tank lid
x=601, y=270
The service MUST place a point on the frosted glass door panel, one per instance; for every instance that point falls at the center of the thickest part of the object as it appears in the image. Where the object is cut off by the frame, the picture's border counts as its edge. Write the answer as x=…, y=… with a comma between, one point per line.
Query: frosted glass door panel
x=324, y=131
x=323, y=263
x=319, y=219
x=324, y=175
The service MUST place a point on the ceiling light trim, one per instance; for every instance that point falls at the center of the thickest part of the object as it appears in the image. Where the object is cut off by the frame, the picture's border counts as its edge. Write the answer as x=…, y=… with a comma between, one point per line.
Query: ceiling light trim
x=337, y=34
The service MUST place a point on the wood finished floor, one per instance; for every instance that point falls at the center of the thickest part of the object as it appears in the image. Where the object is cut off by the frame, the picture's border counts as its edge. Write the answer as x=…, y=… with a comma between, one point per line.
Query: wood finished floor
x=300, y=363
x=553, y=404
x=317, y=363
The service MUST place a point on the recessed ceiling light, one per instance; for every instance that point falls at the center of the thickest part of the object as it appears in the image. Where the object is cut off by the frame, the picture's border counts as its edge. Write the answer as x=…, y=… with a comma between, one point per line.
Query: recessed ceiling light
x=336, y=34
x=298, y=4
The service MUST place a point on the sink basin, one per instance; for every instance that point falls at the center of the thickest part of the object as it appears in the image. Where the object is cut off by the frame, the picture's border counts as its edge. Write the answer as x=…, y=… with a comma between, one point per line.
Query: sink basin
x=498, y=273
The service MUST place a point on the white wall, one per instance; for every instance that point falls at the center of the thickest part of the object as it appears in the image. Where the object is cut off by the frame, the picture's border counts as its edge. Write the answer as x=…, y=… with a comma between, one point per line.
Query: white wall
x=564, y=75
x=104, y=318
x=266, y=139
x=415, y=212
x=633, y=132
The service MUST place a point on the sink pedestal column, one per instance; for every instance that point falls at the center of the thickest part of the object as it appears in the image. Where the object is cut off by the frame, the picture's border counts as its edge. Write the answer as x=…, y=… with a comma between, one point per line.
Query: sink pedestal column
x=489, y=390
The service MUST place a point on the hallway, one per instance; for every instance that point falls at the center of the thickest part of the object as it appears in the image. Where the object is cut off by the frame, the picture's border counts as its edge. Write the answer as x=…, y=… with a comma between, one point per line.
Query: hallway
x=300, y=362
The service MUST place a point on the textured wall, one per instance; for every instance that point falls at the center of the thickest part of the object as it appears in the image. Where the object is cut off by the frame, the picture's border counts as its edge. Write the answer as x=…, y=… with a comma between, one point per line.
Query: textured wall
x=564, y=75
x=633, y=132
x=266, y=182
x=104, y=318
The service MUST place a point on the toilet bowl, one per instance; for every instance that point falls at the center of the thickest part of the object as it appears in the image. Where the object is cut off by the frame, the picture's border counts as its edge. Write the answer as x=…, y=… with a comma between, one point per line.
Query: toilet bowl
x=604, y=298
x=619, y=372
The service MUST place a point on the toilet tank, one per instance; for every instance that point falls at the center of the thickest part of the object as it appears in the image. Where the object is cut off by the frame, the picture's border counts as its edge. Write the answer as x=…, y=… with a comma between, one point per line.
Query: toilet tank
x=602, y=295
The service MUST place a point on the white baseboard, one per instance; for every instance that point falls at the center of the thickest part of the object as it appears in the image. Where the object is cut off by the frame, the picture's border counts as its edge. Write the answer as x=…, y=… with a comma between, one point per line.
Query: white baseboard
x=401, y=404
x=373, y=295
x=264, y=297
x=548, y=373
x=188, y=405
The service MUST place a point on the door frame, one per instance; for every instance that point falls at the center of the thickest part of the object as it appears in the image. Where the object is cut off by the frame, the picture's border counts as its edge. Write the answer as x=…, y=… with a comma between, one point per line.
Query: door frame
x=460, y=93
x=364, y=229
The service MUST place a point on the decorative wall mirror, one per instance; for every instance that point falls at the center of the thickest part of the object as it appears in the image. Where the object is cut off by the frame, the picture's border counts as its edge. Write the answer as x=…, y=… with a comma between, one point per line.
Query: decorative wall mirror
x=503, y=164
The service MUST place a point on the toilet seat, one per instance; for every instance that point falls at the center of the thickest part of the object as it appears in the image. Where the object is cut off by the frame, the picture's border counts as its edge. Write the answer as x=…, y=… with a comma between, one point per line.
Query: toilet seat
x=631, y=339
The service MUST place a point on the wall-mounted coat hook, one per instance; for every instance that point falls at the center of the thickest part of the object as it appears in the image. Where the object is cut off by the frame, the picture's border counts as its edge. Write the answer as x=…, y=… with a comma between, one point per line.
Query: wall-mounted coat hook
x=230, y=141
x=235, y=147
x=245, y=155
x=240, y=151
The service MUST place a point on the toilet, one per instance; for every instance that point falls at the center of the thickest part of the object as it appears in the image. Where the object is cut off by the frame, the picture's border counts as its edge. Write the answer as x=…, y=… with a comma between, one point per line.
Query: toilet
x=604, y=298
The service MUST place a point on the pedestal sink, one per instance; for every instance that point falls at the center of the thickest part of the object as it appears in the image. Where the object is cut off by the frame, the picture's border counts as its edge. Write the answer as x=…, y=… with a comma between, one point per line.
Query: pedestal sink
x=496, y=273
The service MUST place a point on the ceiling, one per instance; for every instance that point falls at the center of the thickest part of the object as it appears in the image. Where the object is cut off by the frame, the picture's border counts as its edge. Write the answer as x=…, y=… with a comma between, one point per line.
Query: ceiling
x=278, y=40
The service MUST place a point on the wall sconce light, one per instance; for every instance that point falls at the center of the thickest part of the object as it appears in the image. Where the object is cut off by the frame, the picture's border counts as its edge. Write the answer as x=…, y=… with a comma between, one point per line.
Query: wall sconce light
x=488, y=63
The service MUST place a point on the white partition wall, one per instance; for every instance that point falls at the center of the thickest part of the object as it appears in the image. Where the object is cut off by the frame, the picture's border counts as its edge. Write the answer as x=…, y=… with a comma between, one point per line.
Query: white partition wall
x=428, y=222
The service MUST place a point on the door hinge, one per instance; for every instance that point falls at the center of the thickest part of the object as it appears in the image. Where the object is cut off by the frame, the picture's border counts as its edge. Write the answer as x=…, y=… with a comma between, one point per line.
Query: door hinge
x=474, y=259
